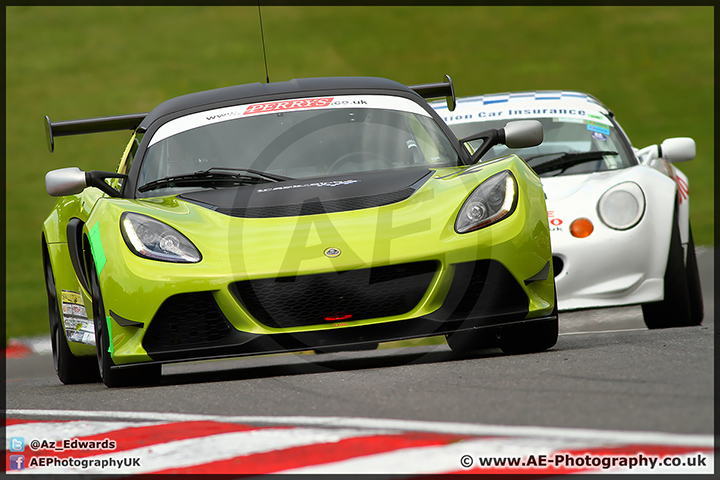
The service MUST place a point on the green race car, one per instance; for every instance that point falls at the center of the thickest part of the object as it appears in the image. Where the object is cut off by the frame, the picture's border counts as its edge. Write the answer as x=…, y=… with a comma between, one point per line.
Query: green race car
x=316, y=214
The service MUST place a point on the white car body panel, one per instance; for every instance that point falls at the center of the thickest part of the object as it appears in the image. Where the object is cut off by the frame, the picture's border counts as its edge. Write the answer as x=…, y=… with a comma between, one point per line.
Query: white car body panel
x=609, y=267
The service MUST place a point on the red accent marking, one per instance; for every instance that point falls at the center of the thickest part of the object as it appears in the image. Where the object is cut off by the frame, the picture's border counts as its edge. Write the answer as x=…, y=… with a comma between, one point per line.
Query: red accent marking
x=337, y=318
x=17, y=349
x=297, y=457
x=682, y=188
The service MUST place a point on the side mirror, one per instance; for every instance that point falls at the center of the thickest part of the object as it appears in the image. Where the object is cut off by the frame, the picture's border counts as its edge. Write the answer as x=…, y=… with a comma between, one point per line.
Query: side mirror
x=72, y=180
x=679, y=149
x=523, y=133
x=65, y=181
x=517, y=134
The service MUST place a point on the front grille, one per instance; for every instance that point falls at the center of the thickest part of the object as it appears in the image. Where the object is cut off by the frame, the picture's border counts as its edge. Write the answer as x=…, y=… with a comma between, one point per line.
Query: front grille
x=484, y=288
x=336, y=296
x=186, y=320
x=318, y=207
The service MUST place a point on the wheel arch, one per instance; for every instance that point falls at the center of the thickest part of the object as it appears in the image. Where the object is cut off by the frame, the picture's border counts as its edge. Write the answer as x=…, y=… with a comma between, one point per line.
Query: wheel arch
x=78, y=248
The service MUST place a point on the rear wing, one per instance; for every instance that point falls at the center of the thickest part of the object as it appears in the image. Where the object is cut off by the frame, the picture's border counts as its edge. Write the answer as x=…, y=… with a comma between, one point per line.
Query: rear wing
x=90, y=125
x=133, y=120
x=438, y=90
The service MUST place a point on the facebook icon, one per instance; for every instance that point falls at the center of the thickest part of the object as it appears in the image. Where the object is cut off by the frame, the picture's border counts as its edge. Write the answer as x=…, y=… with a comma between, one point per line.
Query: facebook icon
x=17, y=462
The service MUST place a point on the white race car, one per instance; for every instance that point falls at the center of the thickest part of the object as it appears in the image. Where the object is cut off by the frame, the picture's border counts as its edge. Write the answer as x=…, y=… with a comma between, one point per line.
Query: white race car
x=619, y=219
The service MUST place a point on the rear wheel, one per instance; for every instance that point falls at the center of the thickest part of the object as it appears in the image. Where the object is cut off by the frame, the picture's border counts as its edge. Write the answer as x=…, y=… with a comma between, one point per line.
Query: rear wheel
x=130, y=376
x=69, y=368
x=682, y=303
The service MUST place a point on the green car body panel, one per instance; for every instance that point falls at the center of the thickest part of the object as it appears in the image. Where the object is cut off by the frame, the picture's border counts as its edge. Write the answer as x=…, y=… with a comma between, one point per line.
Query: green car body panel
x=236, y=249
x=419, y=229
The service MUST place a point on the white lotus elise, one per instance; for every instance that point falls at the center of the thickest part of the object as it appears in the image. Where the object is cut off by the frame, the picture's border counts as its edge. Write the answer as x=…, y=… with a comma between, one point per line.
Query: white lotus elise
x=619, y=218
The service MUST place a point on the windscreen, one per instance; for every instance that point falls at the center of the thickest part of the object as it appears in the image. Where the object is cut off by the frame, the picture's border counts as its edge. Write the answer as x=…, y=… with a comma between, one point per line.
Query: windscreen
x=300, y=138
x=570, y=134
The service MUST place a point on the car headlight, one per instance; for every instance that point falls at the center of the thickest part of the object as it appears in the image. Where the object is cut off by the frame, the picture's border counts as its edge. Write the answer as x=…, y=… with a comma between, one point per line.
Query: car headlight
x=622, y=206
x=492, y=200
x=150, y=238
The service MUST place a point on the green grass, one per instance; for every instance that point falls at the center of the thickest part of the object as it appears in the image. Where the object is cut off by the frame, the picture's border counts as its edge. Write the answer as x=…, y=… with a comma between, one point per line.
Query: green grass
x=652, y=65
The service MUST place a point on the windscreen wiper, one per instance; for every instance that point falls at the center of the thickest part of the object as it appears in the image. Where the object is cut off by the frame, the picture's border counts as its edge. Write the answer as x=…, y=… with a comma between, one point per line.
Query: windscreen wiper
x=215, y=175
x=566, y=160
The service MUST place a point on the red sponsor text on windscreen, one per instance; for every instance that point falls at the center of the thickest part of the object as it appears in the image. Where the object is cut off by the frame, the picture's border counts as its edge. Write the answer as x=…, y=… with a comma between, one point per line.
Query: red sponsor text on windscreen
x=288, y=105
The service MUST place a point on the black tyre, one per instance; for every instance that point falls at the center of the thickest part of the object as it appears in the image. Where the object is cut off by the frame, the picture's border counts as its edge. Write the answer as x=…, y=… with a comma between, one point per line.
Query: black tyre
x=69, y=368
x=531, y=337
x=693, y=279
x=130, y=376
x=472, y=341
x=676, y=309
x=348, y=348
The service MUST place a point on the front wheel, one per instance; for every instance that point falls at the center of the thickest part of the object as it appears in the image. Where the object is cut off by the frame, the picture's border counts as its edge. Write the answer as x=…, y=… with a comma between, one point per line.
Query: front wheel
x=531, y=337
x=69, y=368
x=472, y=341
x=682, y=304
x=346, y=348
x=130, y=376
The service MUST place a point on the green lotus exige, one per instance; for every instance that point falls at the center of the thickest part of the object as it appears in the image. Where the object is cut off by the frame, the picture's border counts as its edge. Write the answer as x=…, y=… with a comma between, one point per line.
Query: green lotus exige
x=316, y=214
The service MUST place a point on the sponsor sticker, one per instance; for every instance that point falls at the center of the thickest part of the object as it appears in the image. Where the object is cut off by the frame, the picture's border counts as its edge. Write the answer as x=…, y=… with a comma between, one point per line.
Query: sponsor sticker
x=288, y=105
x=77, y=325
x=594, y=127
x=208, y=117
x=332, y=183
x=507, y=112
x=554, y=222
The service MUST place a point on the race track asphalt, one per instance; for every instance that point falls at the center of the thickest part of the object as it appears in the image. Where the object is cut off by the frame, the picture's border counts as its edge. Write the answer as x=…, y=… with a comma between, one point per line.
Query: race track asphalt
x=606, y=372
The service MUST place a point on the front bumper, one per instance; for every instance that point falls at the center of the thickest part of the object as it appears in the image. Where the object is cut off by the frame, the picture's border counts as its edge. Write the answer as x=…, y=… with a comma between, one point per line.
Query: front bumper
x=610, y=267
x=483, y=295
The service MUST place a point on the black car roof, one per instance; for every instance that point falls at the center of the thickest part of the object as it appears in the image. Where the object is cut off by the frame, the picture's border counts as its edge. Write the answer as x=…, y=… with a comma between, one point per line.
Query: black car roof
x=250, y=92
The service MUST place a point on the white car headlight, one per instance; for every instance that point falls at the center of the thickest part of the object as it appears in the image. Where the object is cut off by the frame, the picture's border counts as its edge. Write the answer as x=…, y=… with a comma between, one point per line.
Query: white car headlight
x=622, y=206
x=150, y=238
x=492, y=200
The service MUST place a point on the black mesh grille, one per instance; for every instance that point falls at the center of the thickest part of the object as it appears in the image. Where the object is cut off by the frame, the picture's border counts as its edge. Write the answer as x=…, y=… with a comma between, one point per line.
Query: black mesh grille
x=318, y=207
x=484, y=287
x=337, y=296
x=188, y=319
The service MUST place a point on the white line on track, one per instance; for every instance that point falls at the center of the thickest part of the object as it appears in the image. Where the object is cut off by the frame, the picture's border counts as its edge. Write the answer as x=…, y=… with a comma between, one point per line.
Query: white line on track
x=619, y=436
x=606, y=331
x=59, y=430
